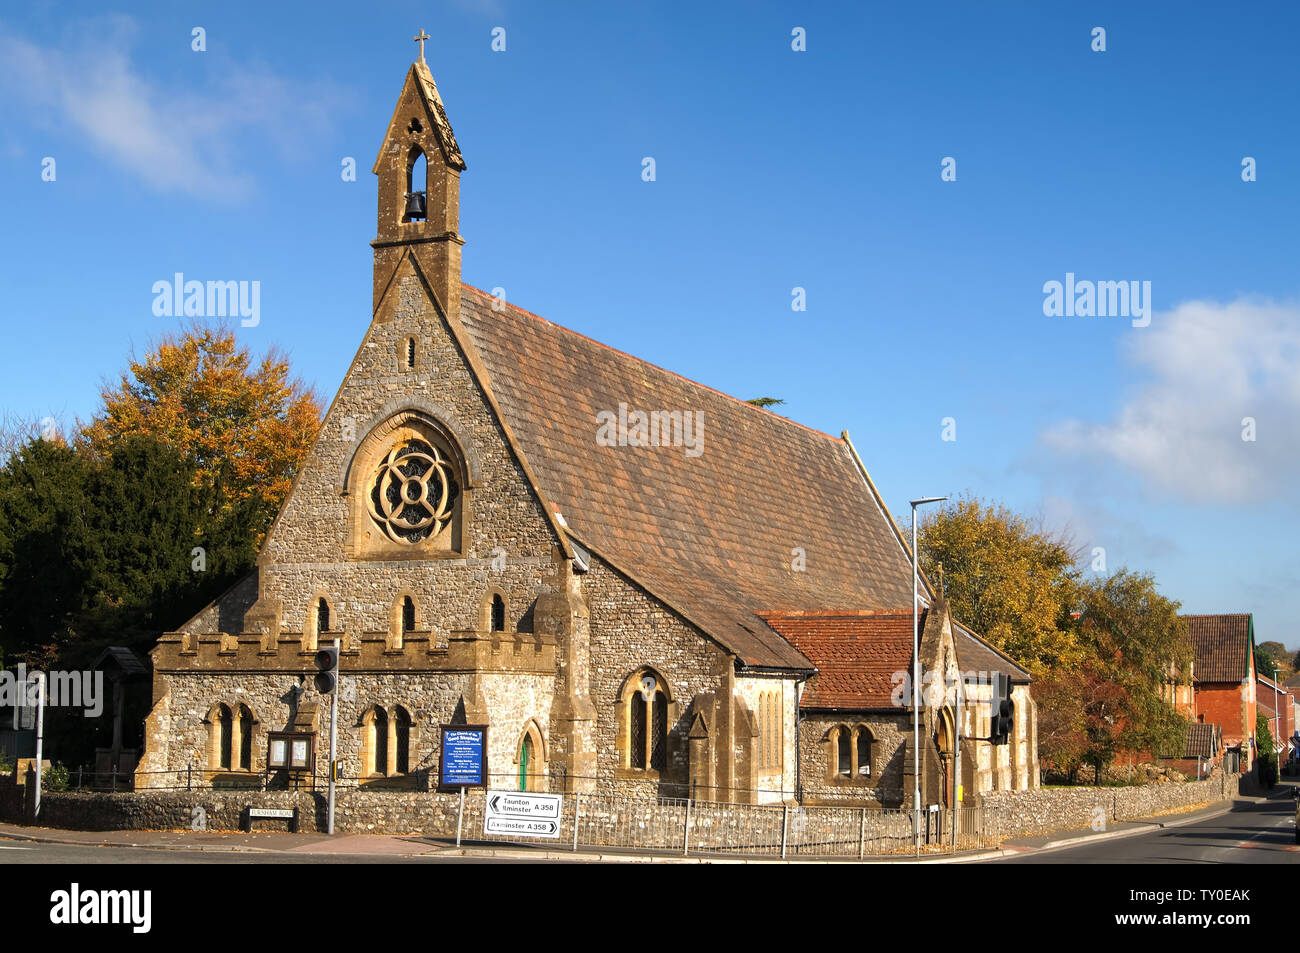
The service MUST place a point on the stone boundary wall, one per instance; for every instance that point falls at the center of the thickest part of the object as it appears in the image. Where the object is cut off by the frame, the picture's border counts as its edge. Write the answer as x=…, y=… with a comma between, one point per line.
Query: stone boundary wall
x=633, y=823
x=1022, y=813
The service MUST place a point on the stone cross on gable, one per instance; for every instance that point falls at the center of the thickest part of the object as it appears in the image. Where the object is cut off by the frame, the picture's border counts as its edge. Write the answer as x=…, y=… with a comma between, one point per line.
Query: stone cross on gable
x=420, y=38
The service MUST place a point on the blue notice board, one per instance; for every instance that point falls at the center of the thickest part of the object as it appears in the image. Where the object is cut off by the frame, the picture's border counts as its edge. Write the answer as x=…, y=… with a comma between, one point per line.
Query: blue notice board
x=463, y=762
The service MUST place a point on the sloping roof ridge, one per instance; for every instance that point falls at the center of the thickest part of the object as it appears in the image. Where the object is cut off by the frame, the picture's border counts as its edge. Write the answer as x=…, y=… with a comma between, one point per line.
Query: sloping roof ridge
x=1216, y=615
x=216, y=599
x=664, y=370
x=836, y=613
x=971, y=633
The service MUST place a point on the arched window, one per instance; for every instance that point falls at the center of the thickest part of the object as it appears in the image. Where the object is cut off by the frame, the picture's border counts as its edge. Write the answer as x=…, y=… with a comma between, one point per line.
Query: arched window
x=245, y=738
x=408, y=614
x=375, y=760
x=646, y=720
x=498, y=613
x=226, y=726
x=409, y=484
x=525, y=761
x=402, y=740
x=410, y=354
x=322, y=616
x=849, y=751
x=636, y=719
x=863, y=762
x=417, y=178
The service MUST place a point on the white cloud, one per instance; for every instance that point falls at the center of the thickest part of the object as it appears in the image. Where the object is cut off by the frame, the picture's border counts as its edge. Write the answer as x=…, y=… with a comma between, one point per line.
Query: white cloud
x=189, y=140
x=1202, y=368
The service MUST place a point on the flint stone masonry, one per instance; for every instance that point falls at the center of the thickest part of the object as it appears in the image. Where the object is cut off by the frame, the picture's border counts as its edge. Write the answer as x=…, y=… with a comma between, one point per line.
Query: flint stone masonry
x=625, y=822
x=1012, y=813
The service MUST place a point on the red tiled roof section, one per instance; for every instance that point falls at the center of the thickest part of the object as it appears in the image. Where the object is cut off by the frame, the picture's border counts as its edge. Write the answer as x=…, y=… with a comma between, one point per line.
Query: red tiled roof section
x=1221, y=644
x=712, y=535
x=856, y=654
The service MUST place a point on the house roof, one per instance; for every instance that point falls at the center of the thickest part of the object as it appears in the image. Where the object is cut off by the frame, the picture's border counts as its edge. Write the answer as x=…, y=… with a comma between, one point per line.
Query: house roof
x=715, y=535
x=856, y=654
x=1200, y=741
x=1221, y=644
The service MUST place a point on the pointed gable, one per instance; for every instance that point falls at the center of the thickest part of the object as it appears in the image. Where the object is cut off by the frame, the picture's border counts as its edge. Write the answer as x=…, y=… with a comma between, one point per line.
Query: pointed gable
x=1222, y=646
x=717, y=535
x=420, y=80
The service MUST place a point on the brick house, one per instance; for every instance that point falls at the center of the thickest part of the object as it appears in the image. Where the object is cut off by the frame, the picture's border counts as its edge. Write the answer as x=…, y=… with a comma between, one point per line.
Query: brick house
x=1276, y=703
x=1224, y=684
x=505, y=522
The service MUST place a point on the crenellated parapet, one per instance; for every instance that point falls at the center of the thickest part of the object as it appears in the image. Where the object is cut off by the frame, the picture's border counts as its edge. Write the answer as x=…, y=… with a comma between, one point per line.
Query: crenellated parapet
x=292, y=652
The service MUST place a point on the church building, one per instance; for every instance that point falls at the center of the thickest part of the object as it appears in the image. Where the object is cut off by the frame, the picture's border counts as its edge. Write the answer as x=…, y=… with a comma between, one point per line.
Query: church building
x=642, y=586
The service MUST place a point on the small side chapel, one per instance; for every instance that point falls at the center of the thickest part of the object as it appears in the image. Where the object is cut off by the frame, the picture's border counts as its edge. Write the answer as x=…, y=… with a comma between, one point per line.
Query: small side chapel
x=631, y=617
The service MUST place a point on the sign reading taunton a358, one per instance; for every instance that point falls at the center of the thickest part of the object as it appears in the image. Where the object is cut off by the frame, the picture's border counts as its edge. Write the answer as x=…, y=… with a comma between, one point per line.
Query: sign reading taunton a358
x=524, y=815
x=463, y=762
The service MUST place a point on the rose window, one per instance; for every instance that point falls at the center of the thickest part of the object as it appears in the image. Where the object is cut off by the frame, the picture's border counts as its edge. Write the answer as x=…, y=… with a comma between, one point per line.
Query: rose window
x=414, y=493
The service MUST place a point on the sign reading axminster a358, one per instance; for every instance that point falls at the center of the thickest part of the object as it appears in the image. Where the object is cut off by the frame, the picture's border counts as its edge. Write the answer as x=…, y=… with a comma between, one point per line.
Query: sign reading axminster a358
x=522, y=815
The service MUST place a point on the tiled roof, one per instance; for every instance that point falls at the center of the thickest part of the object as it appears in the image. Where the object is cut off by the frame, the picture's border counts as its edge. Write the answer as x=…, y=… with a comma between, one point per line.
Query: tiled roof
x=976, y=655
x=713, y=535
x=1199, y=742
x=1221, y=644
x=856, y=654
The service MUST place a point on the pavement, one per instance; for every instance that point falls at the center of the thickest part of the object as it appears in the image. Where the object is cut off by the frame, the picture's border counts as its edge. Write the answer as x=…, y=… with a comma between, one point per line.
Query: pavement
x=396, y=846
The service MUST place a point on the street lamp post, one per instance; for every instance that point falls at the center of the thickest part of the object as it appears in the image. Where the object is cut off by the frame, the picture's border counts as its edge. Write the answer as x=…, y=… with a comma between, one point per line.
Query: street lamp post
x=916, y=680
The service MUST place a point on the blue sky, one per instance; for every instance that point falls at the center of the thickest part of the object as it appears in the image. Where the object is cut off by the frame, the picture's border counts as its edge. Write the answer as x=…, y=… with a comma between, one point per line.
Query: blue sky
x=775, y=169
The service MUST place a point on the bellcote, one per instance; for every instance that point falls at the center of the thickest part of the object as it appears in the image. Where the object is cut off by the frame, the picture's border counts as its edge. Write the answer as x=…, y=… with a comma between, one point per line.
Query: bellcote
x=419, y=166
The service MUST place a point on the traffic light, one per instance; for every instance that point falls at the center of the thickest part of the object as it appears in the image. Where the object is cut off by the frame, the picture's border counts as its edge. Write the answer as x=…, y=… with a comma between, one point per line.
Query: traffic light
x=1003, y=709
x=327, y=669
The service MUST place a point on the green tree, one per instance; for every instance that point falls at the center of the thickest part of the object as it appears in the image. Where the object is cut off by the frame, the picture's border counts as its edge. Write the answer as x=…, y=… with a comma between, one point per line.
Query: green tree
x=1264, y=750
x=1140, y=644
x=46, y=549
x=1014, y=585
x=1272, y=659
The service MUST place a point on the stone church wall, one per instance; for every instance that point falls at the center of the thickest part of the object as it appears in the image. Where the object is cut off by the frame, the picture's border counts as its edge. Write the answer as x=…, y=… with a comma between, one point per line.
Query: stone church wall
x=884, y=788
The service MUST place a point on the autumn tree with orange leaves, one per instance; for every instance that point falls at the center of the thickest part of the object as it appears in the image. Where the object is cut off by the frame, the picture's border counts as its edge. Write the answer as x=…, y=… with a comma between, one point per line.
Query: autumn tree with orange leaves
x=243, y=426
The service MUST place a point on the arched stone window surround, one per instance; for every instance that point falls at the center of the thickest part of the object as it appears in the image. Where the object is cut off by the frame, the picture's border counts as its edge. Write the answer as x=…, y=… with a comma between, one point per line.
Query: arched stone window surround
x=768, y=717
x=851, y=754
x=388, y=741
x=397, y=619
x=232, y=737
x=398, y=422
x=417, y=179
x=645, y=725
x=485, y=610
x=310, y=626
x=536, y=768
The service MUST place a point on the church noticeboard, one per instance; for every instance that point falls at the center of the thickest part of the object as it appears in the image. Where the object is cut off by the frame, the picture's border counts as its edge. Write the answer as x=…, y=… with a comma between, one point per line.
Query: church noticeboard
x=463, y=759
x=289, y=750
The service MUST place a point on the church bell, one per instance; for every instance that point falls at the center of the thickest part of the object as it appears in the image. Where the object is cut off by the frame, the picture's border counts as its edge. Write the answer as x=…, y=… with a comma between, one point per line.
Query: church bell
x=415, y=205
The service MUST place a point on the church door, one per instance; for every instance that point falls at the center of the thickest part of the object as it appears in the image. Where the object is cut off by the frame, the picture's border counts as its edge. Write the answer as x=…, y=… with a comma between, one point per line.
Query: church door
x=525, y=756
